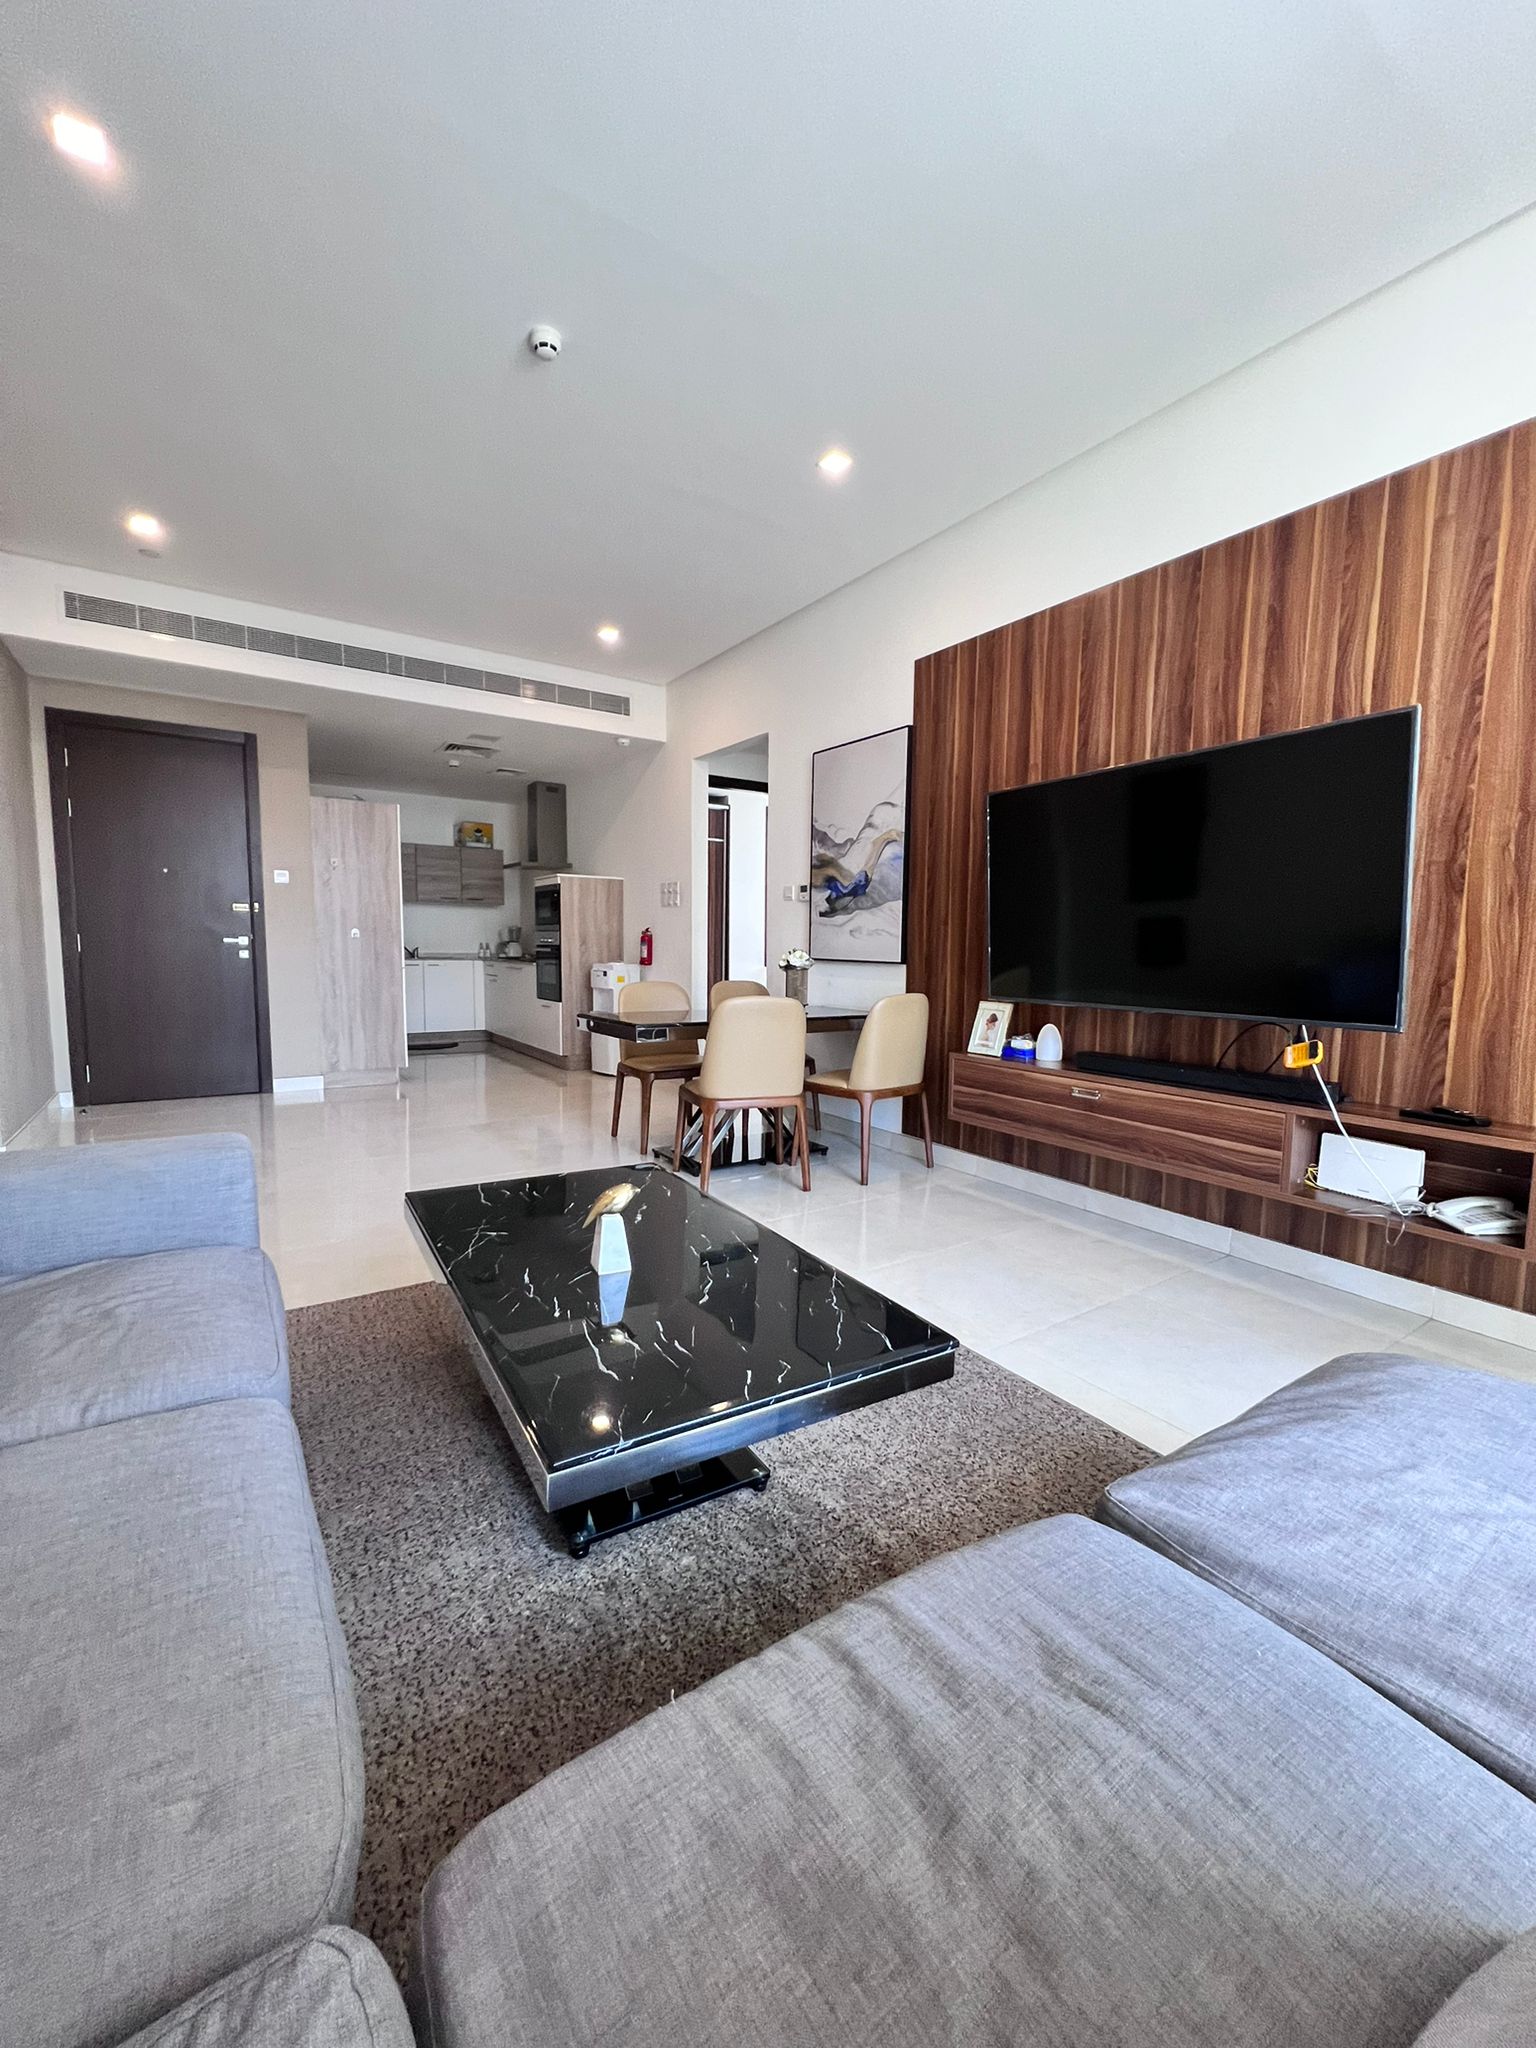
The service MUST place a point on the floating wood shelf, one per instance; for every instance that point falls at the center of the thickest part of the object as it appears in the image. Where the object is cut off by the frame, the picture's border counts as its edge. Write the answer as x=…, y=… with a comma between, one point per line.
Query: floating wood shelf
x=1244, y=1143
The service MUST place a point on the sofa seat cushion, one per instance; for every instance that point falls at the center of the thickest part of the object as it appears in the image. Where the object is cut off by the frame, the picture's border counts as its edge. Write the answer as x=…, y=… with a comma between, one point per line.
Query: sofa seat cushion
x=118, y=1337
x=180, y=1772
x=1384, y=1509
x=1050, y=1789
x=1495, y=2008
x=332, y=1991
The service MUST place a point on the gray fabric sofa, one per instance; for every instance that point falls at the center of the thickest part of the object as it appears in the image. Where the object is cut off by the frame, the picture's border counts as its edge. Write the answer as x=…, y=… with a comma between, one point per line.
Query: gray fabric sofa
x=180, y=1771
x=1244, y=1764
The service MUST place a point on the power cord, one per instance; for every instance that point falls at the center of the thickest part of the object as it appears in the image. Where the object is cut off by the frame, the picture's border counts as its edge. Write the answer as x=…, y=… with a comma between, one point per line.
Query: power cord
x=1404, y=1211
x=1261, y=1024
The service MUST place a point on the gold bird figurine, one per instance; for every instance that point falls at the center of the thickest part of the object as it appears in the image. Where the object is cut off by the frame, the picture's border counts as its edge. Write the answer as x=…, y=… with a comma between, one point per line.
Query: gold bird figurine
x=611, y=1201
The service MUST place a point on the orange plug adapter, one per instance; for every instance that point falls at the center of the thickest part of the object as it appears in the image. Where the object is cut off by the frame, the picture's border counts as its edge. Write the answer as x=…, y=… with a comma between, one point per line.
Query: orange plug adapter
x=1302, y=1053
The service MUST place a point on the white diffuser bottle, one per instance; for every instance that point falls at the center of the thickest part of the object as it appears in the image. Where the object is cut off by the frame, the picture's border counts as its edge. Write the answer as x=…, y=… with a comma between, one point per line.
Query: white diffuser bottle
x=1048, y=1047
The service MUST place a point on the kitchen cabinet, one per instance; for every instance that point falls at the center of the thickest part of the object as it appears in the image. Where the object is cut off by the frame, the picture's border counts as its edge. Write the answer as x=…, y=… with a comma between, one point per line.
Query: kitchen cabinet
x=481, y=878
x=452, y=874
x=437, y=874
x=453, y=995
x=548, y=1031
x=415, y=996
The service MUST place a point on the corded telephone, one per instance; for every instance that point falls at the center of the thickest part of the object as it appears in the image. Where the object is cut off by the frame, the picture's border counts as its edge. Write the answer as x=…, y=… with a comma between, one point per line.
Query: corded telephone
x=1480, y=1215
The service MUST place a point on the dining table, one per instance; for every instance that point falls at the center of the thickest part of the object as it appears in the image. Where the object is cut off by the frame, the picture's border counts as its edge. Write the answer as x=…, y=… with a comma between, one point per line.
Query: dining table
x=691, y=1021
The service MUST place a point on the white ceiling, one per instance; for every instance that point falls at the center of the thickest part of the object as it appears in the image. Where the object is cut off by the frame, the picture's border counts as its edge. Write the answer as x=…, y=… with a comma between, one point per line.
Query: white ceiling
x=966, y=241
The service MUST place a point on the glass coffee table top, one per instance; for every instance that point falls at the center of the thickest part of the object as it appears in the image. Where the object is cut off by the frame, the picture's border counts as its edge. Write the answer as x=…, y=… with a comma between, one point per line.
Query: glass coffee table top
x=721, y=1335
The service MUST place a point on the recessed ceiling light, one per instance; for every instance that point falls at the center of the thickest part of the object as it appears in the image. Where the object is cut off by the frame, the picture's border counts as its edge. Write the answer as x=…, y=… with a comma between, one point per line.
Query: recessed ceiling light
x=835, y=463
x=609, y=635
x=82, y=140
x=144, y=526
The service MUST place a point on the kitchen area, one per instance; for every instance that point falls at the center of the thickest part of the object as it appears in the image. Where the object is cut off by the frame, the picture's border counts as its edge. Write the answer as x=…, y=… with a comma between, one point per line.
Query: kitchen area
x=499, y=936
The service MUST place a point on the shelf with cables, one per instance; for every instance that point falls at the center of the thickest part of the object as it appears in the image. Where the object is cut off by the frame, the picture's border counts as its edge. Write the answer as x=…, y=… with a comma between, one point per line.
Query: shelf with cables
x=1250, y=1145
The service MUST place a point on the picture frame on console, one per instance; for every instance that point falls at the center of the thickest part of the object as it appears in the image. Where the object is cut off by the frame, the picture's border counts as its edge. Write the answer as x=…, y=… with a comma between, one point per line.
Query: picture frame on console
x=989, y=1032
x=860, y=800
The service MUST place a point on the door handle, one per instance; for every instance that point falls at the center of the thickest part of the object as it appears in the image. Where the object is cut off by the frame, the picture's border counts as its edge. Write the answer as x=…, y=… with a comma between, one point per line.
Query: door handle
x=240, y=939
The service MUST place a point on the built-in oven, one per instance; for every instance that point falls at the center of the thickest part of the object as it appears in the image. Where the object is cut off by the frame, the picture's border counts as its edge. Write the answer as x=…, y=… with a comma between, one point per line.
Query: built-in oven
x=546, y=913
x=546, y=970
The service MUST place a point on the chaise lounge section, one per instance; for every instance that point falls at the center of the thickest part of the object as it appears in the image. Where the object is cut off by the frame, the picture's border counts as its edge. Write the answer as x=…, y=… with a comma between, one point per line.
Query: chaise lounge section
x=180, y=1769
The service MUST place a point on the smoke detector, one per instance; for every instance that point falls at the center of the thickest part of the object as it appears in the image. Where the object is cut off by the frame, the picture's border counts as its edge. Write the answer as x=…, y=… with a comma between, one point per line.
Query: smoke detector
x=544, y=342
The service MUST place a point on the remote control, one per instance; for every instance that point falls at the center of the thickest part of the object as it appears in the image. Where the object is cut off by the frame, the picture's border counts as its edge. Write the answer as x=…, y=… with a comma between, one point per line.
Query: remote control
x=1463, y=1119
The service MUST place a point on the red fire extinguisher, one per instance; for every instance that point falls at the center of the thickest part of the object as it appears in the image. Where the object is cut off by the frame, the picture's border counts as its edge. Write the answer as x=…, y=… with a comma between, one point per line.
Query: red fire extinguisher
x=646, y=944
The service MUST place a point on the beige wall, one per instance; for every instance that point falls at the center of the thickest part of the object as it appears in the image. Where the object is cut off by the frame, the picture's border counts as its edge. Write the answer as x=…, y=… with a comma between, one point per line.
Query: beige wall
x=282, y=746
x=26, y=1058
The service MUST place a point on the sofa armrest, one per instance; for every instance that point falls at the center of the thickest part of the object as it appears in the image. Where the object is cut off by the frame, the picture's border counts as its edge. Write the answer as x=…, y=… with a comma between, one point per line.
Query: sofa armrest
x=118, y=1200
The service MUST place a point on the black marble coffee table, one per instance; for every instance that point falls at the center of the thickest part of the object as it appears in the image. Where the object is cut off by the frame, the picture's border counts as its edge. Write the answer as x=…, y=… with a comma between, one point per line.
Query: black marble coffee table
x=635, y=1395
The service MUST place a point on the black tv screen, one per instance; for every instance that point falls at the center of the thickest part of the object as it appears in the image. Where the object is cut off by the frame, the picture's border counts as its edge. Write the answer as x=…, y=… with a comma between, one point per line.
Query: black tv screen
x=1269, y=879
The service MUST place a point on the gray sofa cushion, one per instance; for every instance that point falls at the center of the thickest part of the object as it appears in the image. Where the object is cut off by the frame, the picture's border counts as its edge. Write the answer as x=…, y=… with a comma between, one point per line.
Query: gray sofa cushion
x=119, y=1337
x=63, y=1206
x=180, y=1773
x=1384, y=1509
x=1050, y=1789
x=332, y=1991
x=1496, y=2008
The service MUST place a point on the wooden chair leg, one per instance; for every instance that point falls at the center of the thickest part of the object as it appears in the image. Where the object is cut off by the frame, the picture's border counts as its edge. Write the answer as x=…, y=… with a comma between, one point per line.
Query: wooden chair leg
x=803, y=1146
x=778, y=1137
x=618, y=1101
x=815, y=1102
x=927, y=1128
x=866, y=1110
x=647, y=1083
x=706, y=1145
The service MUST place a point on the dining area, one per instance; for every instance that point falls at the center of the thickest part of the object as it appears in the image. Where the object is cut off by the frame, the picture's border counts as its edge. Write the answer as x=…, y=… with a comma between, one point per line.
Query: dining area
x=748, y=1090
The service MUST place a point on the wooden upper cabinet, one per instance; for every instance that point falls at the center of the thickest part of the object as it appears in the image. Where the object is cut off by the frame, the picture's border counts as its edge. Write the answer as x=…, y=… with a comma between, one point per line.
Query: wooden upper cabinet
x=452, y=874
x=481, y=877
x=437, y=874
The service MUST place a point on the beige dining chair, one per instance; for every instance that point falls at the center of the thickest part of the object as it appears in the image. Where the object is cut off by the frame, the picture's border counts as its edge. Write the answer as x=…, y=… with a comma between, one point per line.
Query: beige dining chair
x=754, y=1058
x=672, y=1060
x=887, y=1061
x=724, y=991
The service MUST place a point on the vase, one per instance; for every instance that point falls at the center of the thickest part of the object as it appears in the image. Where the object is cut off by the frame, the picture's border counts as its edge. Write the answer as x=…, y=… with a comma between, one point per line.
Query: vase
x=797, y=983
x=610, y=1246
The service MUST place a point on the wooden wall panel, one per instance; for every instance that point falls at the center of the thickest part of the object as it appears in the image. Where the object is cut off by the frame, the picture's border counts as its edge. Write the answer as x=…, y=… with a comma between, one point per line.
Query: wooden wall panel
x=1416, y=589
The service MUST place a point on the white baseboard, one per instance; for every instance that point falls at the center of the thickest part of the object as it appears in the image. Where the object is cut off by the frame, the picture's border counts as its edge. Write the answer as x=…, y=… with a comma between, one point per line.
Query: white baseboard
x=1462, y=1311
x=311, y=1086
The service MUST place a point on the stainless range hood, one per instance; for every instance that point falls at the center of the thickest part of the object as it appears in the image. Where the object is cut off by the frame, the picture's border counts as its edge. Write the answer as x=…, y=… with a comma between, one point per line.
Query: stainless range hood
x=546, y=843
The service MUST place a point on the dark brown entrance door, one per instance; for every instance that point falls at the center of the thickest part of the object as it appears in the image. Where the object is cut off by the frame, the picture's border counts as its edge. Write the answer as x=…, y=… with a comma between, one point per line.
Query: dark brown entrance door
x=718, y=930
x=159, y=871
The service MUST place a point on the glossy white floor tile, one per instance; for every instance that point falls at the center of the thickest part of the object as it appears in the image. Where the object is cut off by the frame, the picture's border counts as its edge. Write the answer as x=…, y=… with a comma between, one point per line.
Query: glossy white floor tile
x=1160, y=1336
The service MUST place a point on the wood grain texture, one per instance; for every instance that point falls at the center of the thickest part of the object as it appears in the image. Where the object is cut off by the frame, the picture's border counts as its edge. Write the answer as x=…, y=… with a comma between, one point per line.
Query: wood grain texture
x=591, y=929
x=357, y=891
x=1418, y=588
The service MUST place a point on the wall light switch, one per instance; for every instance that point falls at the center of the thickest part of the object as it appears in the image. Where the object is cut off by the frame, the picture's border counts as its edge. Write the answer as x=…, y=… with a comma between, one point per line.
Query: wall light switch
x=789, y=892
x=671, y=895
x=279, y=874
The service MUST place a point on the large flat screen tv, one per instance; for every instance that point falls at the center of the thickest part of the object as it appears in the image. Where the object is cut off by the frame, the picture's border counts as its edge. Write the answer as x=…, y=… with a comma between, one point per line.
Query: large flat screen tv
x=1269, y=879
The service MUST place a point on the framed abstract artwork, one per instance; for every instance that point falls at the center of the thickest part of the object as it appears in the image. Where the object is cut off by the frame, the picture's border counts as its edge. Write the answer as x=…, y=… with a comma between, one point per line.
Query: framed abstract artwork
x=859, y=798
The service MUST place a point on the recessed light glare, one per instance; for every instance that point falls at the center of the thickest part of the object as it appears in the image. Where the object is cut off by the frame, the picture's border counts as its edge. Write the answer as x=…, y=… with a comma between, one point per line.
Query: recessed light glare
x=144, y=526
x=835, y=463
x=609, y=635
x=82, y=140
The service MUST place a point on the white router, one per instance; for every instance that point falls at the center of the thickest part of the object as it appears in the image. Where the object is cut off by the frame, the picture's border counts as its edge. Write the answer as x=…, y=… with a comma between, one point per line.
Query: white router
x=1342, y=1168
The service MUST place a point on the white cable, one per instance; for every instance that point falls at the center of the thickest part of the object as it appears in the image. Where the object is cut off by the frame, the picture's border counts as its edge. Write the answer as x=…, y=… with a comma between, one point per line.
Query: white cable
x=1393, y=1202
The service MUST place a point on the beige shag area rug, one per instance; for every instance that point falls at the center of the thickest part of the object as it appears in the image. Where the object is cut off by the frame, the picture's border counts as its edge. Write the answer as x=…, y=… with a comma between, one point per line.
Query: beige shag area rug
x=485, y=1656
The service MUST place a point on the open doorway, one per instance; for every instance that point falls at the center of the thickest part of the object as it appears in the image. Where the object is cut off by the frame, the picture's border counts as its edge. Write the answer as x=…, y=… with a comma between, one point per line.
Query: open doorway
x=736, y=947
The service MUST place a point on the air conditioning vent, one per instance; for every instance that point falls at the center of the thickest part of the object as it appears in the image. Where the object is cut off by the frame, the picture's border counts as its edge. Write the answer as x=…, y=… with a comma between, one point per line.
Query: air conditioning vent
x=144, y=618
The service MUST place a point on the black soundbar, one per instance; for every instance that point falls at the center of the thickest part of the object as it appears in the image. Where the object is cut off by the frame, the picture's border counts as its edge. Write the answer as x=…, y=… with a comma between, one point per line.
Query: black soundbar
x=1300, y=1089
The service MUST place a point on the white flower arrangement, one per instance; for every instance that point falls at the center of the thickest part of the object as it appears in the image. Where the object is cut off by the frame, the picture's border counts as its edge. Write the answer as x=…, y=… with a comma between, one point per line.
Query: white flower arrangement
x=796, y=957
